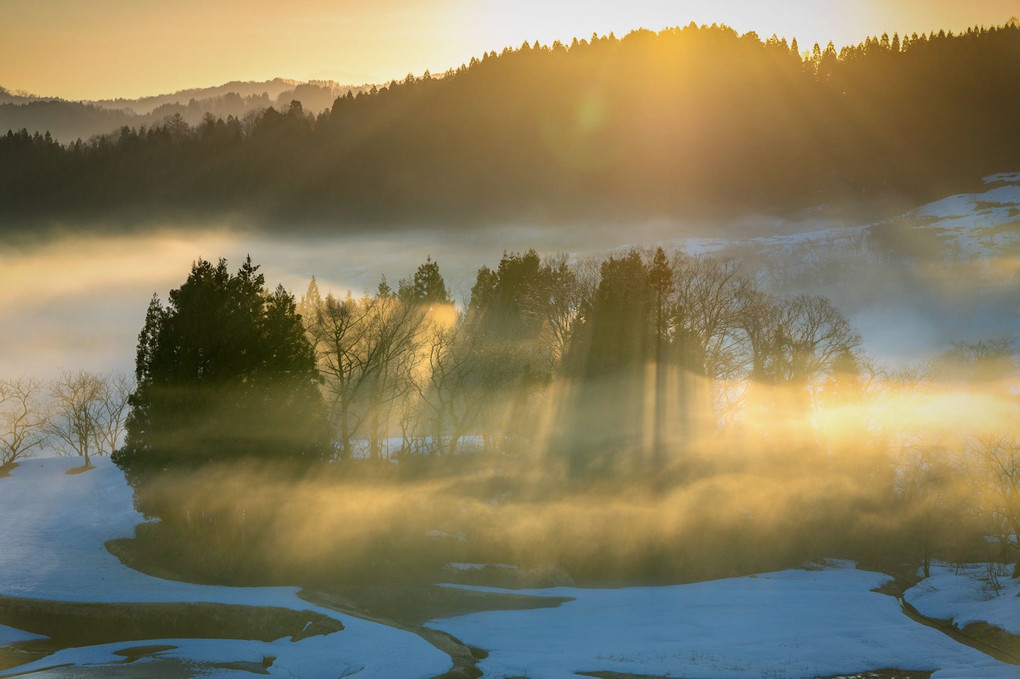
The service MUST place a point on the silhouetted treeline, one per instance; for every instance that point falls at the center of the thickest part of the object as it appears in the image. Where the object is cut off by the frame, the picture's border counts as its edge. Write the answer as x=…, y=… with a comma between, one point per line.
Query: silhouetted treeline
x=65, y=120
x=686, y=120
x=8, y=97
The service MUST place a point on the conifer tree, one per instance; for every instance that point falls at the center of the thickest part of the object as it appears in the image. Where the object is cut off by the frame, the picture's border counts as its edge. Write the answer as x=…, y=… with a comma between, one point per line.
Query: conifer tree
x=224, y=371
x=426, y=287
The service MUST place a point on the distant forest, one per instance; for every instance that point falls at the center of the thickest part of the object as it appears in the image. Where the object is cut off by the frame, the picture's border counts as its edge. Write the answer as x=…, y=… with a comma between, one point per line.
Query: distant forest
x=67, y=121
x=684, y=121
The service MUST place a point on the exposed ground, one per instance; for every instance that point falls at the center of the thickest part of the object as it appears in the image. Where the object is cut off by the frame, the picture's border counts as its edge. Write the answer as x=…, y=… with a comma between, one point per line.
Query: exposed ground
x=69, y=624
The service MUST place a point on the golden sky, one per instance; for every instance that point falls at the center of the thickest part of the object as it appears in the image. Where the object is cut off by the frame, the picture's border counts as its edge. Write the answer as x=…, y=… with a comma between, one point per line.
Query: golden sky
x=114, y=48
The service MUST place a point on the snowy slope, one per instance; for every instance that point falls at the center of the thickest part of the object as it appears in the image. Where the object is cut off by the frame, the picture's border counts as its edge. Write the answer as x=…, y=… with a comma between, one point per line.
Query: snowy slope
x=965, y=595
x=789, y=624
x=51, y=547
x=912, y=284
x=976, y=225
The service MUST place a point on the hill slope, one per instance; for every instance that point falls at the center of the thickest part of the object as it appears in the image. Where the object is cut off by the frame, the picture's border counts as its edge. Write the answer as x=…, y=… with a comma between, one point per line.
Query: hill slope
x=684, y=122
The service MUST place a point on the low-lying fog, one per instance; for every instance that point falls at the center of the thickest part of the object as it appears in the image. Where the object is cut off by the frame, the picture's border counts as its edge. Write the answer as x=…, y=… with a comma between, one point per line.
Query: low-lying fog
x=78, y=301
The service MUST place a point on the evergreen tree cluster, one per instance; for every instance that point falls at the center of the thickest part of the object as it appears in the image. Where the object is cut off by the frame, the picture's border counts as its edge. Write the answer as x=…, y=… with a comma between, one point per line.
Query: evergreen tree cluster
x=223, y=372
x=653, y=124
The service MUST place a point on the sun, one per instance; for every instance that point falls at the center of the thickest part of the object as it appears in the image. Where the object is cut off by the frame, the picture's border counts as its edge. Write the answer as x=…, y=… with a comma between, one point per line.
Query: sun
x=509, y=24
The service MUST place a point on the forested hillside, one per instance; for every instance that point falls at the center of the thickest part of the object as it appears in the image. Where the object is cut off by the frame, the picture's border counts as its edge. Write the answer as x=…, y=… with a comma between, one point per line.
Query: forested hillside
x=652, y=125
x=68, y=121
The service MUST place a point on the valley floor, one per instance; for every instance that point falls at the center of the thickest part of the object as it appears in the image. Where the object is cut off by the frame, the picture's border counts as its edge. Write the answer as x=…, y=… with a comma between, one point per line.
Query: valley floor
x=823, y=621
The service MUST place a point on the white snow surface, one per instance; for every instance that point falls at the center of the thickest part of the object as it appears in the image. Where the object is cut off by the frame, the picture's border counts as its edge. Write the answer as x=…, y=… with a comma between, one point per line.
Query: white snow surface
x=314, y=657
x=978, y=225
x=966, y=594
x=8, y=635
x=790, y=624
x=983, y=223
x=52, y=547
x=964, y=204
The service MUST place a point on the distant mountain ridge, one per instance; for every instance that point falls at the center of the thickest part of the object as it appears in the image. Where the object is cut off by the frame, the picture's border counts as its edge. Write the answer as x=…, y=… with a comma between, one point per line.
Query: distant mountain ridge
x=68, y=120
x=143, y=105
x=16, y=96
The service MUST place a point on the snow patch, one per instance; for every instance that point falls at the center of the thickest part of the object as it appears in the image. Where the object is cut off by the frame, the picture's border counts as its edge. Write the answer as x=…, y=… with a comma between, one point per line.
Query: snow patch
x=1002, y=177
x=9, y=635
x=52, y=547
x=964, y=204
x=967, y=594
x=792, y=624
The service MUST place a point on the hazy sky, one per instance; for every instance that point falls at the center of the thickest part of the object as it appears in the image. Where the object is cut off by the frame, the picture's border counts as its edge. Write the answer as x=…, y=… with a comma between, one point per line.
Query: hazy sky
x=109, y=48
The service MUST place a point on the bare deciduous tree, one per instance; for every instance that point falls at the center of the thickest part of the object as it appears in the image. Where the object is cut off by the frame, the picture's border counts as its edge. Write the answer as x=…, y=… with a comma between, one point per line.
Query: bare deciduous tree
x=81, y=408
x=396, y=330
x=928, y=473
x=363, y=348
x=816, y=334
x=22, y=418
x=560, y=309
x=339, y=330
x=999, y=459
x=794, y=340
x=446, y=404
x=113, y=412
x=708, y=299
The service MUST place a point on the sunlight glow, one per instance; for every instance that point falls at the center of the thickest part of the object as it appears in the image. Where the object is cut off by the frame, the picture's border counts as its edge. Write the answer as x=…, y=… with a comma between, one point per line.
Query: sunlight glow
x=354, y=43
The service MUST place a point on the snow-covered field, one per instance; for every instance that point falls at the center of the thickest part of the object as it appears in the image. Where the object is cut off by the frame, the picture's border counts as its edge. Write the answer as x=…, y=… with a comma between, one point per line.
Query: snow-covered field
x=795, y=623
x=52, y=547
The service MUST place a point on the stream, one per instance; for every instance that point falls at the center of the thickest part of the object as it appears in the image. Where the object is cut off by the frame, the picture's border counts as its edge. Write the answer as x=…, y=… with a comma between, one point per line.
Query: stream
x=987, y=647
